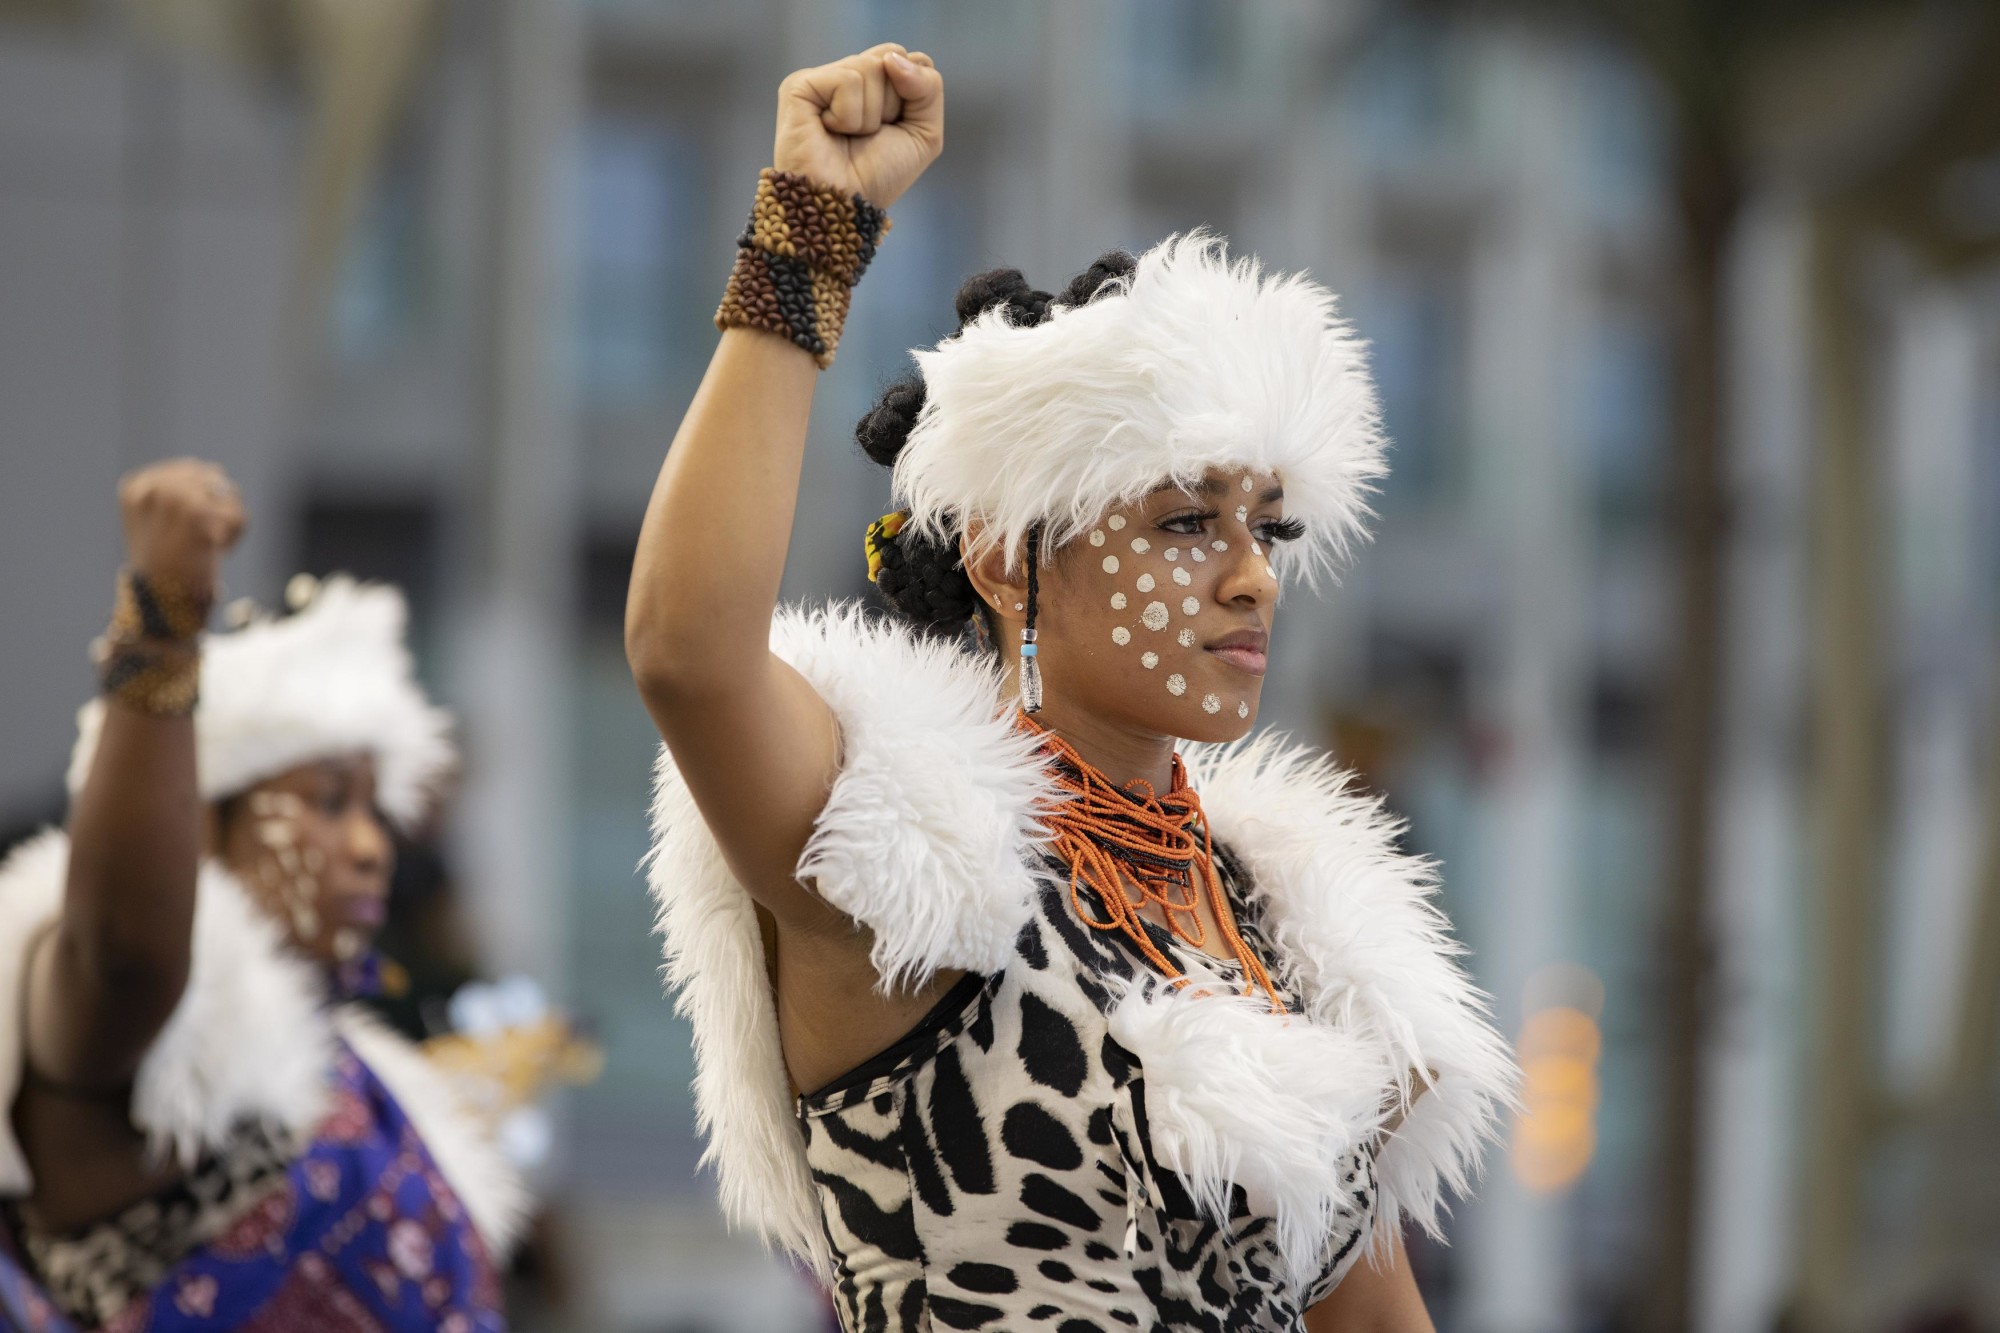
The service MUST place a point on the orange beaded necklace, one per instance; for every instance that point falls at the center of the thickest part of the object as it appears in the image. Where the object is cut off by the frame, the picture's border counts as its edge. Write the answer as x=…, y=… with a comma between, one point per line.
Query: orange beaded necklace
x=1133, y=848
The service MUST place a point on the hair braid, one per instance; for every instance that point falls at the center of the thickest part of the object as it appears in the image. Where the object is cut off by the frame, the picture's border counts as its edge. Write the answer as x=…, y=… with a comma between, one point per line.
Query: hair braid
x=922, y=578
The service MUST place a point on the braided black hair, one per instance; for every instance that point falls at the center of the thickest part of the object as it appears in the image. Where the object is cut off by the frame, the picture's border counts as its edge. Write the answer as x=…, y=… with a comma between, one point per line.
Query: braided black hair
x=922, y=577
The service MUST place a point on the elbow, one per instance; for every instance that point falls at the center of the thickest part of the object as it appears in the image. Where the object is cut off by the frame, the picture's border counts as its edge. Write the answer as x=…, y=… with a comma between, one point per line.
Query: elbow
x=667, y=667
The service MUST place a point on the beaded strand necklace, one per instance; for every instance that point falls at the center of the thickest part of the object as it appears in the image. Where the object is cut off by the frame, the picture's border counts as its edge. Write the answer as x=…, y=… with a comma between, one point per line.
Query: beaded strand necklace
x=1131, y=848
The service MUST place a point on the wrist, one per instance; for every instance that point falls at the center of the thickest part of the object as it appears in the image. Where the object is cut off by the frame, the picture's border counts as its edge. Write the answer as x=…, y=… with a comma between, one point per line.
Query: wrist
x=149, y=657
x=797, y=261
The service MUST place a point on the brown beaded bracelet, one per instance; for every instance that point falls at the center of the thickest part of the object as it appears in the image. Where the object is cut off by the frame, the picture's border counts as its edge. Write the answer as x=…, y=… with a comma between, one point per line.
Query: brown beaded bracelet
x=797, y=261
x=150, y=656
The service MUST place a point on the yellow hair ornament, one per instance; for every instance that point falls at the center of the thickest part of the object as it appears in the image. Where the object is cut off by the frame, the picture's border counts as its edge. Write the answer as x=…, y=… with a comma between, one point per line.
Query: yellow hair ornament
x=882, y=530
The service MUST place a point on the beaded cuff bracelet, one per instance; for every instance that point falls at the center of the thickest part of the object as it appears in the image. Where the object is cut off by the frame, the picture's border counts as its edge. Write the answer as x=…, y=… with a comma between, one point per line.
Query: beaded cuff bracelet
x=150, y=656
x=797, y=261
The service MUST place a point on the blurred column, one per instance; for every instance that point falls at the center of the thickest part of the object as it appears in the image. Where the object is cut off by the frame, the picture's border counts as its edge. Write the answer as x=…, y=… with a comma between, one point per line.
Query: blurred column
x=511, y=652
x=1085, y=140
x=1309, y=208
x=1531, y=506
x=1845, y=788
x=1938, y=680
x=1750, y=1168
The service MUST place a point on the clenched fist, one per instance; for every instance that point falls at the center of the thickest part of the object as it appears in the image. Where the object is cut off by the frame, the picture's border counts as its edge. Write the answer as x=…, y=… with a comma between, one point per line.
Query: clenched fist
x=180, y=518
x=866, y=125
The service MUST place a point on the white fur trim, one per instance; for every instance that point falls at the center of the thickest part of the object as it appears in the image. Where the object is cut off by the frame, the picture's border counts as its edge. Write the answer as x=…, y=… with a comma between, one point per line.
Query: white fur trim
x=1199, y=362
x=934, y=869
x=1238, y=1095
x=246, y=1041
x=926, y=839
x=462, y=1145
x=335, y=678
x=1356, y=931
x=921, y=841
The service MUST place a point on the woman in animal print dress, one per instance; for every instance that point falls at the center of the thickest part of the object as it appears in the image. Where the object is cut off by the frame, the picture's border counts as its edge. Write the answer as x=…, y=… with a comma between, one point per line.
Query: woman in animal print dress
x=1011, y=1010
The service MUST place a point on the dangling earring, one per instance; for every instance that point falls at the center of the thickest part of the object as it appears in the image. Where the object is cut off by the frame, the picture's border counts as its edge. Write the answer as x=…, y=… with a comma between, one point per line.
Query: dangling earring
x=1031, y=670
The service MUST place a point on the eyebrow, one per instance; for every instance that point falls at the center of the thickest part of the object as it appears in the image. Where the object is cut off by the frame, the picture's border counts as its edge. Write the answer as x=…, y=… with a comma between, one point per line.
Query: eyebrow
x=1208, y=488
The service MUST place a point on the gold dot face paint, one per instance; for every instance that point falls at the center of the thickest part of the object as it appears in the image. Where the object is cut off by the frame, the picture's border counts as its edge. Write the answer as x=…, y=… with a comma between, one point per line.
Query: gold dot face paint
x=311, y=848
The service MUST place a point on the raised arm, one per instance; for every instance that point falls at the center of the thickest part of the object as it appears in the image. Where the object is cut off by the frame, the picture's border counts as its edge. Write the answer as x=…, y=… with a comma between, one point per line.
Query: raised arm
x=755, y=744
x=104, y=981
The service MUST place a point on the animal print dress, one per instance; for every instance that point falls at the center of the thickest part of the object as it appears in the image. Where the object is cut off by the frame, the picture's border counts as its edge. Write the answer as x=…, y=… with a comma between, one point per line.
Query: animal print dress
x=993, y=1169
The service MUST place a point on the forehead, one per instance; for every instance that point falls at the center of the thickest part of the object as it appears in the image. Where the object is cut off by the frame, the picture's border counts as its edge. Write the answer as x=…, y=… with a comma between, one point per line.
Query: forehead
x=1218, y=482
x=359, y=766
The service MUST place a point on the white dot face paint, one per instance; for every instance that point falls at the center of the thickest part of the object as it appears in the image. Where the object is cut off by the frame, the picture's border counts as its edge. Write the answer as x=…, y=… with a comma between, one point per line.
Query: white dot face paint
x=1097, y=539
x=1256, y=548
x=1149, y=660
x=1186, y=638
x=1242, y=513
x=1121, y=636
x=1248, y=484
x=1116, y=522
x=1111, y=564
x=1242, y=710
x=1210, y=704
x=1154, y=617
x=1173, y=553
x=1117, y=601
x=1140, y=545
x=1182, y=577
x=1197, y=555
x=1190, y=606
x=1220, y=545
x=1145, y=583
x=1177, y=684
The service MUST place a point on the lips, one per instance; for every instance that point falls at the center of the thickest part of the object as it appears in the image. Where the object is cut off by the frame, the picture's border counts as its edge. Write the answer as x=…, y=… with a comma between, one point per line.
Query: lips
x=358, y=909
x=1245, y=650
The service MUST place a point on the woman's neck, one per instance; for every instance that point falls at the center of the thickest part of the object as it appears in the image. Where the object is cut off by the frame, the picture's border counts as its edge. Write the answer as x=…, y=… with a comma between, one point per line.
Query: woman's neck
x=1122, y=755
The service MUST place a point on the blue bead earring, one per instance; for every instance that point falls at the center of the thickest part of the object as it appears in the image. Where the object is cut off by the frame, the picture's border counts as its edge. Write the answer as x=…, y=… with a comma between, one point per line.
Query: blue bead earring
x=1031, y=668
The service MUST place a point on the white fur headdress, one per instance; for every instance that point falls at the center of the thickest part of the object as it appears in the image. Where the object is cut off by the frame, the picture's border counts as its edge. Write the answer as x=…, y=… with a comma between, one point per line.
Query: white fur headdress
x=1192, y=361
x=334, y=678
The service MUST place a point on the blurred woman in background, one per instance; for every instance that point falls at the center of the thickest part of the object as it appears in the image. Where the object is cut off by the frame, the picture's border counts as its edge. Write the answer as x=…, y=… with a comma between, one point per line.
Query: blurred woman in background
x=198, y=1138
x=1007, y=1014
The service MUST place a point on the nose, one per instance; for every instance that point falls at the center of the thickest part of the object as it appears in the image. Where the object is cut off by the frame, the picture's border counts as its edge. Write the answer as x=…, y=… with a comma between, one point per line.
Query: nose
x=368, y=848
x=1248, y=578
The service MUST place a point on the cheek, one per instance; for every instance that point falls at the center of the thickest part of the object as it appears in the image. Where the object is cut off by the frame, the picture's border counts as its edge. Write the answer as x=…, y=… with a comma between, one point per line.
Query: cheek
x=290, y=858
x=1149, y=600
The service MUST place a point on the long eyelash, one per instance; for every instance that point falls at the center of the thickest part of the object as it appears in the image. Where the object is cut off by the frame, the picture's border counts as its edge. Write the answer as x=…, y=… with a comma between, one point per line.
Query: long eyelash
x=1284, y=530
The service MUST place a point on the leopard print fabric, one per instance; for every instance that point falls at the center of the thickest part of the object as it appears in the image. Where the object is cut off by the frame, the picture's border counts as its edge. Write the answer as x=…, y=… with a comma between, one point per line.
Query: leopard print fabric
x=93, y=1273
x=993, y=1169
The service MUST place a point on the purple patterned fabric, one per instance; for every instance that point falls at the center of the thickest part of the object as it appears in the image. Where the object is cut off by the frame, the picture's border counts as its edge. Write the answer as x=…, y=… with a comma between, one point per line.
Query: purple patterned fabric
x=364, y=1235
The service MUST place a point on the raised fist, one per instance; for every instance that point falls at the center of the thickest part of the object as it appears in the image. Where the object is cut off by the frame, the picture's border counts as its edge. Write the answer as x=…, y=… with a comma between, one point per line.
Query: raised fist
x=867, y=125
x=180, y=518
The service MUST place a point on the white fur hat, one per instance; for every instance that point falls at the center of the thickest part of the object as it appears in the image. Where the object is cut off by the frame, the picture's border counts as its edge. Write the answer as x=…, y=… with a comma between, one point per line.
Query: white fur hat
x=334, y=678
x=1193, y=361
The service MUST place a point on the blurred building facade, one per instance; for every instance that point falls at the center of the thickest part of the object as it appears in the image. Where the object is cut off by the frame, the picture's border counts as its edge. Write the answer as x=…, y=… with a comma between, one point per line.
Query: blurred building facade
x=475, y=401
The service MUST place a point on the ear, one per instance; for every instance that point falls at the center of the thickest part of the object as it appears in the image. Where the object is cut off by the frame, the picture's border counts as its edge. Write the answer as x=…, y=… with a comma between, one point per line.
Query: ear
x=1001, y=589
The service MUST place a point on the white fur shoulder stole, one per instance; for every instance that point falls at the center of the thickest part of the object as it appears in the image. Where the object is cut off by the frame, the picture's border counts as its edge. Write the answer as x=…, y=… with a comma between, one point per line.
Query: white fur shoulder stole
x=927, y=840
x=250, y=1039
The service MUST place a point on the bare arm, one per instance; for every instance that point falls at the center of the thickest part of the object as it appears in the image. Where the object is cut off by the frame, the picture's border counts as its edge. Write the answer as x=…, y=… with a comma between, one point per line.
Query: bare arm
x=104, y=981
x=1374, y=1298
x=755, y=743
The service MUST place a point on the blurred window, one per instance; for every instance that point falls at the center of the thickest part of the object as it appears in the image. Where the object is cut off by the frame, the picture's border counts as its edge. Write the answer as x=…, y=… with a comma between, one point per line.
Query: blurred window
x=1410, y=93
x=1183, y=48
x=642, y=228
x=1414, y=318
x=378, y=288
x=1625, y=417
